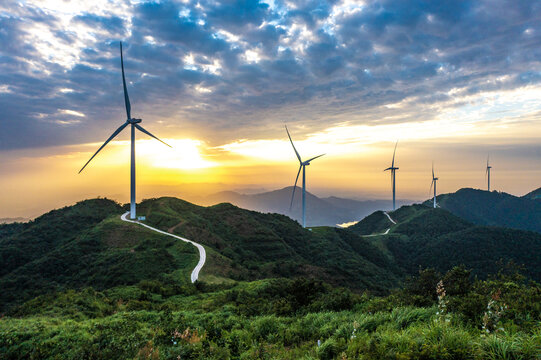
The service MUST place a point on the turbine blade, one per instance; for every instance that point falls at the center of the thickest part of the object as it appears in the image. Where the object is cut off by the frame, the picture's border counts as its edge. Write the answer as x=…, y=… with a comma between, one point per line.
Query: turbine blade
x=432, y=183
x=394, y=152
x=294, y=187
x=432, y=169
x=126, y=98
x=149, y=134
x=315, y=157
x=296, y=153
x=106, y=142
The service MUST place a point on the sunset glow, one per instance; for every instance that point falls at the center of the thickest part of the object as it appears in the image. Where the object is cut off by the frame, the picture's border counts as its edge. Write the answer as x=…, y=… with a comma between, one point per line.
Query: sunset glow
x=220, y=89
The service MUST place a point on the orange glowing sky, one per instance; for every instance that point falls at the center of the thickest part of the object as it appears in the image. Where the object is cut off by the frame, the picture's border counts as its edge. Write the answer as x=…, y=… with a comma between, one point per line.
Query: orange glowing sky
x=219, y=80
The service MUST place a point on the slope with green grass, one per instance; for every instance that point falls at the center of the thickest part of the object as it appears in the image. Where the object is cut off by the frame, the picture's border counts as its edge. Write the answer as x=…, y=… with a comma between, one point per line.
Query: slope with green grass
x=427, y=237
x=260, y=245
x=86, y=245
x=494, y=208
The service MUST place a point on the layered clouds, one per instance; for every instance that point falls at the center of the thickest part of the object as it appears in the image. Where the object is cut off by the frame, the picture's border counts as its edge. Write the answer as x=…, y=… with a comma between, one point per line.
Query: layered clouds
x=237, y=68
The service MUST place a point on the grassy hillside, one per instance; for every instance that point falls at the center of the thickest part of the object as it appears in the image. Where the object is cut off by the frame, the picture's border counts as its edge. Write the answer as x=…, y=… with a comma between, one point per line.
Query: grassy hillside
x=426, y=237
x=85, y=245
x=494, y=208
x=88, y=245
x=375, y=223
x=280, y=319
x=101, y=288
x=269, y=245
x=534, y=195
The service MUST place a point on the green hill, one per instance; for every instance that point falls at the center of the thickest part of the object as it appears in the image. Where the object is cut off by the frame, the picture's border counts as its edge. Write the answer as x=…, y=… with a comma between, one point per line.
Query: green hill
x=88, y=245
x=95, y=287
x=533, y=195
x=269, y=245
x=494, y=208
x=85, y=245
x=425, y=237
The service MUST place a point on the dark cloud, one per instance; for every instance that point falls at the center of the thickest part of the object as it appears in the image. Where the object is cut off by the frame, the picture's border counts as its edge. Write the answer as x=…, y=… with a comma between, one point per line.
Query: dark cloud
x=112, y=24
x=194, y=64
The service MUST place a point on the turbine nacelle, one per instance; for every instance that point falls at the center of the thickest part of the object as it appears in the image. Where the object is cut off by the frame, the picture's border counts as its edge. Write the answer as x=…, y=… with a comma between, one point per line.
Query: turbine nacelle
x=134, y=121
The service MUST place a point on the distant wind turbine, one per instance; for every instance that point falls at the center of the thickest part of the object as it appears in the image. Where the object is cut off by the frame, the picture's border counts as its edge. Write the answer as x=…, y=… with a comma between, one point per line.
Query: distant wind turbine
x=134, y=124
x=434, y=180
x=487, y=174
x=393, y=176
x=302, y=166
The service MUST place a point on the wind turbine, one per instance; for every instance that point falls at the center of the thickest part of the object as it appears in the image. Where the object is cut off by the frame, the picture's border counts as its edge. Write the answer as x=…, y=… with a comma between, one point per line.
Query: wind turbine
x=134, y=125
x=302, y=166
x=393, y=179
x=487, y=173
x=434, y=180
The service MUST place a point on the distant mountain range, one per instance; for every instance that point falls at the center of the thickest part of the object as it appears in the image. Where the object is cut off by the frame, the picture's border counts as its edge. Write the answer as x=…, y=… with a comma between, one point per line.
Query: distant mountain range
x=328, y=211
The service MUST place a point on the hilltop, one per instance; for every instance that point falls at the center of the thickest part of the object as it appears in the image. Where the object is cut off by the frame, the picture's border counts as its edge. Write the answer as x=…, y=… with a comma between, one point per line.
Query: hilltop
x=533, y=195
x=425, y=237
x=494, y=208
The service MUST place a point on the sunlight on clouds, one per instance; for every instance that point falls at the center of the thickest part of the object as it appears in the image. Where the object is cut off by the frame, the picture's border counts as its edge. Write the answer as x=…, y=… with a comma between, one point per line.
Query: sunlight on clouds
x=53, y=48
x=185, y=154
x=347, y=139
x=252, y=56
x=71, y=112
x=492, y=106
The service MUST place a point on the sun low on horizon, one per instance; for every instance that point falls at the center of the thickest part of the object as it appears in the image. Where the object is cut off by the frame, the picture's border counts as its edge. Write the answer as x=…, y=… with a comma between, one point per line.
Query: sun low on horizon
x=220, y=81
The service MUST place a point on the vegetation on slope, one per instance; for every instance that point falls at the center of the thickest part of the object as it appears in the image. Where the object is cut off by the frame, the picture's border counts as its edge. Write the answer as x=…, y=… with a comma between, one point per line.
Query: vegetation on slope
x=427, y=237
x=494, y=209
x=86, y=245
x=272, y=245
x=283, y=319
x=375, y=223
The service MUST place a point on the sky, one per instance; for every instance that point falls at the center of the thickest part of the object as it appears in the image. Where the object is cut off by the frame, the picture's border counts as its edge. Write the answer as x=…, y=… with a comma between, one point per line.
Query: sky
x=452, y=81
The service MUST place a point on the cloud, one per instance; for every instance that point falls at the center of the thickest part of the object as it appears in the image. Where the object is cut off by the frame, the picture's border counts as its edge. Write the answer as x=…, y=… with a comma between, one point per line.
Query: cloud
x=233, y=69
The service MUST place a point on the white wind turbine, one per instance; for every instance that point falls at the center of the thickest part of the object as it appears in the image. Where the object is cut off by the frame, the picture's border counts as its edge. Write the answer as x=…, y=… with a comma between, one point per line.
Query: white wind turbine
x=134, y=124
x=434, y=180
x=302, y=166
x=393, y=177
x=487, y=173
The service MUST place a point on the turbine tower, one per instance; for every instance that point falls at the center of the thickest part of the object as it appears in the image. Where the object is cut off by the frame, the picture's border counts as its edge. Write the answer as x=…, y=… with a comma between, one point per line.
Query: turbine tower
x=434, y=180
x=393, y=178
x=302, y=166
x=134, y=125
x=487, y=173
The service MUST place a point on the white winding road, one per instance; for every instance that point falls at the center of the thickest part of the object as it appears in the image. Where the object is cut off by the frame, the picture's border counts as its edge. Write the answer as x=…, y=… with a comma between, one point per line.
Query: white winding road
x=386, y=231
x=389, y=216
x=202, y=253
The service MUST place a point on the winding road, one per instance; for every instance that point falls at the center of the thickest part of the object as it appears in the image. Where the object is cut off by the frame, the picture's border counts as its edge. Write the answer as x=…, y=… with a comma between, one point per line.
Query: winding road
x=202, y=253
x=386, y=231
x=389, y=216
